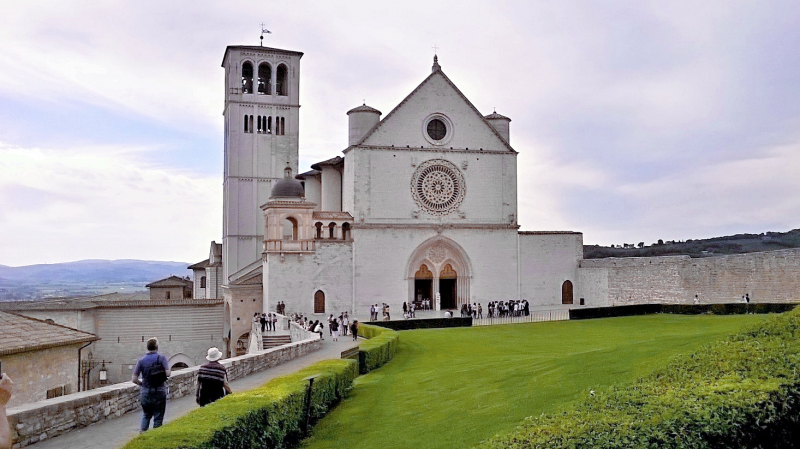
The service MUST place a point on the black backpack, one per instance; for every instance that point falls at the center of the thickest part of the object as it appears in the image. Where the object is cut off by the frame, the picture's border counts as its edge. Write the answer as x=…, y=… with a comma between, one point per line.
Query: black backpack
x=156, y=375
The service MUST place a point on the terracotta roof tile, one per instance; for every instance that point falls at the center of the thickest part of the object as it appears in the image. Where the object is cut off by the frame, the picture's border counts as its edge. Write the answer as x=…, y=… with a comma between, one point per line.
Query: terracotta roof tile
x=22, y=334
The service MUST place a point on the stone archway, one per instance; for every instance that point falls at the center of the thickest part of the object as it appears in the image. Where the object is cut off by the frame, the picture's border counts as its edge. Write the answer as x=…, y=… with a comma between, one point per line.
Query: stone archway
x=181, y=359
x=436, y=254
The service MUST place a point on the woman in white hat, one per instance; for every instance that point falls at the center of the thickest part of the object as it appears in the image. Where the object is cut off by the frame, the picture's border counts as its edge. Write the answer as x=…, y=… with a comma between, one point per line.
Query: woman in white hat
x=212, y=379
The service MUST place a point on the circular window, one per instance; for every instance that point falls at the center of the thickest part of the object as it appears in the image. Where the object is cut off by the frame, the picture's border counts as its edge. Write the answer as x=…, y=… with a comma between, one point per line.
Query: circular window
x=437, y=129
x=438, y=186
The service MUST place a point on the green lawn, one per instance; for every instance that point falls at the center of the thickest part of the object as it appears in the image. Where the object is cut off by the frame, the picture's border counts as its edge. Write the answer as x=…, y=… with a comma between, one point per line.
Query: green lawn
x=457, y=387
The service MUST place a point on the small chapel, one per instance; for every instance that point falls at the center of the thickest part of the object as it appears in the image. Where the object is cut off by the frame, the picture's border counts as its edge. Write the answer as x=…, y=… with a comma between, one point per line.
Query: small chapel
x=421, y=205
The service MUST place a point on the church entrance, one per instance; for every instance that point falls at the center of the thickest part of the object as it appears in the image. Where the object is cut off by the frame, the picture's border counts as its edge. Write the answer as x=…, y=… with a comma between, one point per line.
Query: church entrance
x=423, y=287
x=448, y=287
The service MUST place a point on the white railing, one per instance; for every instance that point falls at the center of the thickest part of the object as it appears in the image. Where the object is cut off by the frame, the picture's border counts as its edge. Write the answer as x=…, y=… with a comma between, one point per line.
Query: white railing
x=535, y=316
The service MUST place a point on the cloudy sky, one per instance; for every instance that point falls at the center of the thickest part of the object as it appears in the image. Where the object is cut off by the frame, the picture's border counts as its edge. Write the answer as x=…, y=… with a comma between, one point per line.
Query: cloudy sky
x=634, y=120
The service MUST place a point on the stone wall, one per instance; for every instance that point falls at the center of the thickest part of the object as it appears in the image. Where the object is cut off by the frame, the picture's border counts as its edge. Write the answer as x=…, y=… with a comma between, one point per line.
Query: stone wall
x=31, y=423
x=35, y=372
x=770, y=276
x=547, y=260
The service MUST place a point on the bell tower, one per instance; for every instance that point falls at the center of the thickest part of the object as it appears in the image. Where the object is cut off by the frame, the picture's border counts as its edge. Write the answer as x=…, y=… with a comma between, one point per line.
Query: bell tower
x=262, y=93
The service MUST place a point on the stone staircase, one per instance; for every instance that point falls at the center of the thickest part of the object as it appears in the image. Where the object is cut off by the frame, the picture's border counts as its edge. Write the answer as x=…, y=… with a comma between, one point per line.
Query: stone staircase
x=273, y=341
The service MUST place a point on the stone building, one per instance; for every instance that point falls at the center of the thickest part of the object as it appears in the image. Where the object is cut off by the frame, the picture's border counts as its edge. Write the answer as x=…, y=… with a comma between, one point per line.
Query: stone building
x=41, y=357
x=421, y=204
x=185, y=328
x=173, y=287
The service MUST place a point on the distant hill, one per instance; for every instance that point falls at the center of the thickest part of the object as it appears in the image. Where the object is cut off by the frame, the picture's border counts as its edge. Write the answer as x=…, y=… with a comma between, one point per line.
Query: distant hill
x=732, y=244
x=95, y=270
x=84, y=277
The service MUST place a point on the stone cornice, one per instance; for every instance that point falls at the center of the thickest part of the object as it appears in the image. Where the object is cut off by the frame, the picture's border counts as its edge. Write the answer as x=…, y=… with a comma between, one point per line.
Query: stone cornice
x=470, y=151
x=435, y=226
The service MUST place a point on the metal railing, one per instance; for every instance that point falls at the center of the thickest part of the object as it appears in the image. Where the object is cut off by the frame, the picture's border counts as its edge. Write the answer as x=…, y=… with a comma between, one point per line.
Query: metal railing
x=535, y=316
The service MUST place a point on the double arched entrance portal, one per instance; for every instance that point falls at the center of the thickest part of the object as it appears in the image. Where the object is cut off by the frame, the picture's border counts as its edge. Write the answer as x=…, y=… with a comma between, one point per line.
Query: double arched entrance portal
x=440, y=266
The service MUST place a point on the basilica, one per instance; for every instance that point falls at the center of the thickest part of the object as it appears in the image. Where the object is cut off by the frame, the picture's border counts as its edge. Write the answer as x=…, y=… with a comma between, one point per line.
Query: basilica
x=420, y=205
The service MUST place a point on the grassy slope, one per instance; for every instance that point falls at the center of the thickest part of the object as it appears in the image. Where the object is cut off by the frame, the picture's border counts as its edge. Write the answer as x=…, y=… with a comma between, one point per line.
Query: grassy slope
x=456, y=387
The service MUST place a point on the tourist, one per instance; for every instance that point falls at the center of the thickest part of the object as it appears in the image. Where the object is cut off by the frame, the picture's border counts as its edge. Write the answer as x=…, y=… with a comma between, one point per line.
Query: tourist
x=747, y=298
x=5, y=396
x=263, y=321
x=345, y=323
x=480, y=311
x=405, y=308
x=212, y=379
x=154, y=369
x=334, y=327
x=354, y=330
x=318, y=329
x=386, y=312
x=274, y=321
x=447, y=314
x=330, y=321
x=696, y=299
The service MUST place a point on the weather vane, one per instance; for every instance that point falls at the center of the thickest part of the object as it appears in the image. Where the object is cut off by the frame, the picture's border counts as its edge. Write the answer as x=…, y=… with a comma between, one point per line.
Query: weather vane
x=263, y=31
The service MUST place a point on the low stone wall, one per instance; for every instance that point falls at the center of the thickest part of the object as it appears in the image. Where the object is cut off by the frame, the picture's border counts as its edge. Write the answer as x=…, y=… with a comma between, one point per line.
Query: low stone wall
x=37, y=421
x=298, y=333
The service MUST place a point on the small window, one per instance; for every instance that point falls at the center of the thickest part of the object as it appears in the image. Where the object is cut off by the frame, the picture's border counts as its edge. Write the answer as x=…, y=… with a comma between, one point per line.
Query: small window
x=264, y=79
x=346, y=231
x=203, y=282
x=247, y=78
x=283, y=126
x=269, y=125
x=168, y=294
x=318, y=225
x=246, y=120
x=332, y=229
x=251, y=123
x=280, y=83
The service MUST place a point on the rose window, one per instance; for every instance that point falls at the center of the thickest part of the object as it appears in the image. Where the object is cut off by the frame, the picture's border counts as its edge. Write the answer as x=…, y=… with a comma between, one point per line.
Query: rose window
x=438, y=187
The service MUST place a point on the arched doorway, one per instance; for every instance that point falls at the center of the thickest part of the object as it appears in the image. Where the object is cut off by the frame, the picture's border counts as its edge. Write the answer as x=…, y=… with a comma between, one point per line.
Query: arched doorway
x=319, y=302
x=448, y=287
x=178, y=366
x=566, y=292
x=241, y=344
x=452, y=284
x=423, y=286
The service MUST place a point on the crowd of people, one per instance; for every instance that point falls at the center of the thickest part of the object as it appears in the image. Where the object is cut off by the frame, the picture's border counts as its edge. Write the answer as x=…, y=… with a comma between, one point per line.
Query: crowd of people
x=511, y=308
x=383, y=309
x=337, y=325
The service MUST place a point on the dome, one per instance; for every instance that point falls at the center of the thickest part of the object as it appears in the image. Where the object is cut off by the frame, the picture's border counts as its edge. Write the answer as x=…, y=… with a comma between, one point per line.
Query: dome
x=288, y=187
x=364, y=108
x=291, y=188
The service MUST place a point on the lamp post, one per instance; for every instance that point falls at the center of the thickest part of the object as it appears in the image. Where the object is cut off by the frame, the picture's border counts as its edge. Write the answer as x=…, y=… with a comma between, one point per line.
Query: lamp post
x=310, y=380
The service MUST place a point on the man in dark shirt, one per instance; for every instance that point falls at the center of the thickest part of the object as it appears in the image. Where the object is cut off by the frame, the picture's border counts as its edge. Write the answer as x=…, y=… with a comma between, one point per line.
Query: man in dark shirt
x=212, y=379
x=154, y=369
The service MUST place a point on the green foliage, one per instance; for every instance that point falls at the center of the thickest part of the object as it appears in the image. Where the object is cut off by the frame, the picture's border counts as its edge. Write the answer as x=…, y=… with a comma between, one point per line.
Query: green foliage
x=743, y=391
x=272, y=415
x=381, y=346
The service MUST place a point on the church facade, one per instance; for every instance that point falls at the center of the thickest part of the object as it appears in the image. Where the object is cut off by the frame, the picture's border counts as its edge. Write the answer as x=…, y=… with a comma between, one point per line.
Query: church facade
x=421, y=204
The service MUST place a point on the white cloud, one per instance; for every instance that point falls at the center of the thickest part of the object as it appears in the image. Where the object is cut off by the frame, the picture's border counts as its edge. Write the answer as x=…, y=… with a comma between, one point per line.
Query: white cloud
x=100, y=202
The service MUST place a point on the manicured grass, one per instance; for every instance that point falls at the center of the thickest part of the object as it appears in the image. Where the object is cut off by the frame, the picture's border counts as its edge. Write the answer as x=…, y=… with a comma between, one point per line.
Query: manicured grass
x=457, y=387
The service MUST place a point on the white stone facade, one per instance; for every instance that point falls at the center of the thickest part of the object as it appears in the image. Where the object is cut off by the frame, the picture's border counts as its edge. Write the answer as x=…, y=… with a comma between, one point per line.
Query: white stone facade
x=424, y=202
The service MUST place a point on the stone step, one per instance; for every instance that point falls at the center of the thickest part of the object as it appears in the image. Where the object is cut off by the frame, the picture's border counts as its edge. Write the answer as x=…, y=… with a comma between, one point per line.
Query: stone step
x=272, y=341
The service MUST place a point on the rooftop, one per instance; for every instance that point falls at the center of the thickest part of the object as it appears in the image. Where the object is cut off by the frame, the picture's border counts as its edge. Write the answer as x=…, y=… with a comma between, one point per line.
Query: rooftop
x=172, y=281
x=23, y=334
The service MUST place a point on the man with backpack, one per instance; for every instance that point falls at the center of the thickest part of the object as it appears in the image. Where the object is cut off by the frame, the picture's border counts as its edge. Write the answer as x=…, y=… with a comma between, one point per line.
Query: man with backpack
x=154, y=370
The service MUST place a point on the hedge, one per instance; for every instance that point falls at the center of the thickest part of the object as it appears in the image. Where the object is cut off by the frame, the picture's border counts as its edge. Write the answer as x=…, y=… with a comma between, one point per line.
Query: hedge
x=380, y=347
x=424, y=323
x=272, y=415
x=680, y=309
x=741, y=392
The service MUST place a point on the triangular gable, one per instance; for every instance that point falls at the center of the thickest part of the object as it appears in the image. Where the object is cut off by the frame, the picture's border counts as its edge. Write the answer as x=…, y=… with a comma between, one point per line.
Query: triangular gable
x=253, y=277
x=436, y=93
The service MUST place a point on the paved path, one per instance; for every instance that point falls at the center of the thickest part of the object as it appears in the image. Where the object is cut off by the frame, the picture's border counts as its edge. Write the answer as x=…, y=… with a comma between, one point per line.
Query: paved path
x=115, y=433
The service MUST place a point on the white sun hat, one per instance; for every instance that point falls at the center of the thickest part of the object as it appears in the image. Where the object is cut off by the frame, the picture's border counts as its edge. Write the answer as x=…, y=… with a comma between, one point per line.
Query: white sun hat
x=213, y=355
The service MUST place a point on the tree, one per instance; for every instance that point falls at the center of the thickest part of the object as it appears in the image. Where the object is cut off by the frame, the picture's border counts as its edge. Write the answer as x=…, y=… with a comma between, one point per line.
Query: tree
x=641, y=245
x=660, y=242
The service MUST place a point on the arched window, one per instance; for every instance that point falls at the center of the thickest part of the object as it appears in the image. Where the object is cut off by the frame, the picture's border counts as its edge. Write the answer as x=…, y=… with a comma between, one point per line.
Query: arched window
x=280, y=82
x=290, y=229
x=283, y=126
x=167, y=296
x=203, y=282
x=566, y=292
x=332, y=229
x=346, y=231
x=319, y=302
x=246, y=120
x=259, y=124
x=247, y=78
x=251, y=123
x=264, y=79
x=269, y=124
x=318, y=225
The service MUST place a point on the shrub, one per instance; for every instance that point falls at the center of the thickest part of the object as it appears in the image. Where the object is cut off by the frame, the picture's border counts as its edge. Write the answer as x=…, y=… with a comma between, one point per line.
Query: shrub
x=740, y=392
x=381, y=346
x=272, y=415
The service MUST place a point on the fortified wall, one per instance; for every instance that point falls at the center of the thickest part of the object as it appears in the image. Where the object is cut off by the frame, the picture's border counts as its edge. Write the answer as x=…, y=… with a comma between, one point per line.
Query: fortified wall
x=772, y=276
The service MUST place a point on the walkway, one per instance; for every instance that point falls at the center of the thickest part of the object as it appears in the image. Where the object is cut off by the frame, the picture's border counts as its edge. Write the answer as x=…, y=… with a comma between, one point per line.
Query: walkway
x=115, y=433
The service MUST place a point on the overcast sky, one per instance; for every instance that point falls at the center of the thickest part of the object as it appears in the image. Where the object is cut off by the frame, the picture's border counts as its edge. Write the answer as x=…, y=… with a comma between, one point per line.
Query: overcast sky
x=634, y=121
